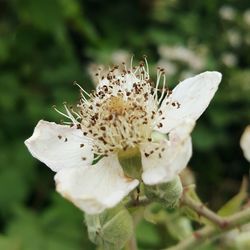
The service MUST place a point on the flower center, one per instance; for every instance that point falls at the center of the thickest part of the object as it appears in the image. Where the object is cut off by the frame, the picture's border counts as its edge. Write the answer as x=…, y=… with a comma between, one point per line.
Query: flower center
x=116, y=105
x=119, y=121
x=122, y=112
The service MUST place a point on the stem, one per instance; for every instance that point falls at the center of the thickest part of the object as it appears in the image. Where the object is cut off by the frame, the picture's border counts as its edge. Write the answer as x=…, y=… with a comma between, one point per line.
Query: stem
x=199, y=237
x=202, y=210
x=131, y=245
x=139, y=202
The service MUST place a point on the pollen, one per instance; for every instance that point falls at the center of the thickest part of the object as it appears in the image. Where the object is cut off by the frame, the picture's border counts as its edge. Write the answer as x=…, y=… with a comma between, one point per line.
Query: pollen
x=116, y=105
x=123, y=110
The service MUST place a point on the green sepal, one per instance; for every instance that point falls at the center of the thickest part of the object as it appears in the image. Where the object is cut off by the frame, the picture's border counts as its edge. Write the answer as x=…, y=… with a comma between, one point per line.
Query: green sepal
x=111, y=229
x=168, y=194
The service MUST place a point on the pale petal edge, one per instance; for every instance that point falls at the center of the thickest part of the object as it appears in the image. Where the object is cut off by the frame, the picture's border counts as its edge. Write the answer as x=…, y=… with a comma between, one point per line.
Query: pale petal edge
x=95, y=188
x=245, y=142
x=59, y=146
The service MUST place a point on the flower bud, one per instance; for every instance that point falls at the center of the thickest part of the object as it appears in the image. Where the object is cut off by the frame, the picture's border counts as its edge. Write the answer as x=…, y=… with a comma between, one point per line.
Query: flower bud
x=168, y=194
x=111, y=229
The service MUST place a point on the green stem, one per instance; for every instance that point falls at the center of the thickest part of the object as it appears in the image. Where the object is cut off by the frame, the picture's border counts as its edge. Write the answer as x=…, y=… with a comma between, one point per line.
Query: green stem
x=201, y=236
x=131, y=245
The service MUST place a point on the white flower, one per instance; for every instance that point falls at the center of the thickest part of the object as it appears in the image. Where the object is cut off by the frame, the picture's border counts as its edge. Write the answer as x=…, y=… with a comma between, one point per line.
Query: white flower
x=229, y=59
x=245, y=142
x=234, y=38
x=124, y=113
x=227, y=12
x=246, y=17
x=170, y=67
x=182, y=54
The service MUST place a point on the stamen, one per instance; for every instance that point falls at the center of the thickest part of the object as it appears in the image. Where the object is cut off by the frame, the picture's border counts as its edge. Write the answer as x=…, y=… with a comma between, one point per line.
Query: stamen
x=61, y=113
x=163, y=89
x=122, y=112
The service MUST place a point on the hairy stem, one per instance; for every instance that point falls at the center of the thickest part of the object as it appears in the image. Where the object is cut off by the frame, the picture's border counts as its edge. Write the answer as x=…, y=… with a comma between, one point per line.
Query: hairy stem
x=200, y=237
x=131, y=245
x=202, y=210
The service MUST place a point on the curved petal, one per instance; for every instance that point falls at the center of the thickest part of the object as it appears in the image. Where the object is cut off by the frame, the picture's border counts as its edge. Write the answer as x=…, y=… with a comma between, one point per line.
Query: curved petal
x=59, y=146
x=189, y=99
x=245, y=142
x=97, y=187
x=162, y=161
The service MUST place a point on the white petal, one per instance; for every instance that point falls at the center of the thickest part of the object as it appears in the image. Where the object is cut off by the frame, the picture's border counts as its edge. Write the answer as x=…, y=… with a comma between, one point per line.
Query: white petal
x=163, y=166
x=193, y=96
x=59, y=146
x=245, y=143
x=97, y=187
x=182, y=131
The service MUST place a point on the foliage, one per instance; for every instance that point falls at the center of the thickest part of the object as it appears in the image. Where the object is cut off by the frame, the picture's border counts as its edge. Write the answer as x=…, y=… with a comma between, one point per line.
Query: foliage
x=46, y=45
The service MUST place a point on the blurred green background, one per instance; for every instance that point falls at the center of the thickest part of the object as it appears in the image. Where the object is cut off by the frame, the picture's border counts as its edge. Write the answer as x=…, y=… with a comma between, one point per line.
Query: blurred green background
x=46, y=45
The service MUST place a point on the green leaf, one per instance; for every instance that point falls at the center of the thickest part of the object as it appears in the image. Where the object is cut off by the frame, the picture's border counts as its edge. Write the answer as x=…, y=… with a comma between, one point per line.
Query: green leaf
x=234, y=204
x=146, y=233
x=45, y=15
x=179, y=227
x=8, y=243
x=154, y=213
x=58, y=228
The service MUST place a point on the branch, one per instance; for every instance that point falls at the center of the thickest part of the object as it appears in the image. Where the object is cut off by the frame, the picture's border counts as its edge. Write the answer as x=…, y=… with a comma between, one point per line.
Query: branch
x=199, y=237
x=202, y=210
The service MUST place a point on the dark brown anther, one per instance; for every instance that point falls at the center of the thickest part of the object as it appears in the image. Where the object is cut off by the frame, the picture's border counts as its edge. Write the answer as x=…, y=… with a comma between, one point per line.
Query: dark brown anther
x=160, y=125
